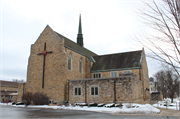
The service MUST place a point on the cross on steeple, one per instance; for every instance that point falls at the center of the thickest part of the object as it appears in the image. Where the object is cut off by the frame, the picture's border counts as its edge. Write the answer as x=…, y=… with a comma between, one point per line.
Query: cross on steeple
x=80, y=35
x=44, y=53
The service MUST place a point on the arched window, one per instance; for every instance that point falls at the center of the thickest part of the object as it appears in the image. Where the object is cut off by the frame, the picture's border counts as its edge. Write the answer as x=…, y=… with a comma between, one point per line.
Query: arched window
x=69, y=61
x=80, y=65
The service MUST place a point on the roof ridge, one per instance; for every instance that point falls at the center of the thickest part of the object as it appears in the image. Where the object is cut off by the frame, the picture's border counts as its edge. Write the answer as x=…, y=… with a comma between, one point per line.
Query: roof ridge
x=75, y=43
x=77, y=48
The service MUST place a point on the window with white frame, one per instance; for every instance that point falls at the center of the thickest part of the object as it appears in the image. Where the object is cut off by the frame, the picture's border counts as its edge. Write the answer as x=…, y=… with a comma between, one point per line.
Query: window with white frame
x=77, y=91
x=113, y=74
x=97, y=75
x=127, y=72
x=80, y=65
x=69, y=61
x=94, y=90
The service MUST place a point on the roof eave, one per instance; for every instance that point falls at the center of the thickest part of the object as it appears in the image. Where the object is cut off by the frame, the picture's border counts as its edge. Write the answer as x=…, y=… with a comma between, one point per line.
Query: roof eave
x=78, y=52
x=116, y=69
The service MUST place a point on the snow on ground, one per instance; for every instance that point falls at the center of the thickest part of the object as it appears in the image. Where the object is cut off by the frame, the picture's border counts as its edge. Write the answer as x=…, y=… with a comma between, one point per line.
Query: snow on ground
x=6, y=103
x=136, y=108
x=162, y=104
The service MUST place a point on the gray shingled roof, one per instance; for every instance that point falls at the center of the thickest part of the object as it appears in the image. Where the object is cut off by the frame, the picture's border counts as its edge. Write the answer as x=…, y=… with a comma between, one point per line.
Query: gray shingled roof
x=74, y=46
x=120, y=61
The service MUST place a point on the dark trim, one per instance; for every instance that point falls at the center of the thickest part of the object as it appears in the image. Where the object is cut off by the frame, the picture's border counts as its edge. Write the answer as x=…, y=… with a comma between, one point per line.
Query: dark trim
x=116, y=69
x=100, y=78
x=114, y=90
x=44, y=62
x=68, y=90
x=43, y=71
x=23, y=88
x=85, y=93
x=139, y=74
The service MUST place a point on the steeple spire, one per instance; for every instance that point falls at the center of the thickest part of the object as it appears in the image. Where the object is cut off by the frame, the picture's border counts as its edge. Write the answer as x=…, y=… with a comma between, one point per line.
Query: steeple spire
x=80, y=35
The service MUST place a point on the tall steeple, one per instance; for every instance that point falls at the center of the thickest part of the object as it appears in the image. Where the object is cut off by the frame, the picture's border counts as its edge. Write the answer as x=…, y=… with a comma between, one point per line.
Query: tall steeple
x=80, y=35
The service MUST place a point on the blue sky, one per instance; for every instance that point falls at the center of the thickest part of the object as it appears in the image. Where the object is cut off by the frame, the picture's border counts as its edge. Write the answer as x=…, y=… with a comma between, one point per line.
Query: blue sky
x=108, y=27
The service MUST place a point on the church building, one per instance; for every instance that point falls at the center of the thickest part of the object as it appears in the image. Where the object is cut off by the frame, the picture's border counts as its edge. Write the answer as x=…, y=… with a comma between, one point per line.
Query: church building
x=67, y=71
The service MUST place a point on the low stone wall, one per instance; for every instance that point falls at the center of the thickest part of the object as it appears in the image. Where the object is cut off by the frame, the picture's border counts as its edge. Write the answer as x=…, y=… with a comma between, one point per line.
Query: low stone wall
x=126, y=87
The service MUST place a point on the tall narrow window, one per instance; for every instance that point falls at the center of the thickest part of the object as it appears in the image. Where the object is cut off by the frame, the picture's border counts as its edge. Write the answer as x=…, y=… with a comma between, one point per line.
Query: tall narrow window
x=77, y=91
x=80, y=65
x=69, y=61
x=94, y=90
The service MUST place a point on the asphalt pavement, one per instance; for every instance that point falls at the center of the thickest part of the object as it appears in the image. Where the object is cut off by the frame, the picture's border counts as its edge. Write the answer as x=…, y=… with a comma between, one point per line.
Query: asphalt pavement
x=10, y=112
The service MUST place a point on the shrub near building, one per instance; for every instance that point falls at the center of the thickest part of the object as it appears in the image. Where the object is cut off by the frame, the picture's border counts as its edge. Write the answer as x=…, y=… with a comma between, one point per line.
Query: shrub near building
x=40, y=98
x=37, y=98
x=27, y=97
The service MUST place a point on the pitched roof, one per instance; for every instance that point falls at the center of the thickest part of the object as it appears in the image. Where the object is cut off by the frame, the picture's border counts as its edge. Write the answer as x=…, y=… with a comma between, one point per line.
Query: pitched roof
x=120, y=61
x=75, y=47
x=9, y=83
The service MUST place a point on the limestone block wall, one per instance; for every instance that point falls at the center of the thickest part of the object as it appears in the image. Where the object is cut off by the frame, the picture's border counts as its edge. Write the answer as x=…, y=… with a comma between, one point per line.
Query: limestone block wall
x=145, y=77
x=56, y=71
x=74, y=72
x=124, y=88
x=54, y=75
x=21, y=89
x=108, y=73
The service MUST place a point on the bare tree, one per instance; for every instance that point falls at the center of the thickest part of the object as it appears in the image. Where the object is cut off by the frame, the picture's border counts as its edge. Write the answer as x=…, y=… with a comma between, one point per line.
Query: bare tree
x=167, y=83
x=162, y=16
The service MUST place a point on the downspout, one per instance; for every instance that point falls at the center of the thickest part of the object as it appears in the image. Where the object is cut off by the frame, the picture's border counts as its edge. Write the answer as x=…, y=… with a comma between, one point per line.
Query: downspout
x=85, y=93
x=68, y=91
x=23, y=88
x=140, y=74
x=114, y=90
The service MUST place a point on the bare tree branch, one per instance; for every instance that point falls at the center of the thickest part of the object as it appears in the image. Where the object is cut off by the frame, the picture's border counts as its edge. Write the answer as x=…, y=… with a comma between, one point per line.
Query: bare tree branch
x=163, y=18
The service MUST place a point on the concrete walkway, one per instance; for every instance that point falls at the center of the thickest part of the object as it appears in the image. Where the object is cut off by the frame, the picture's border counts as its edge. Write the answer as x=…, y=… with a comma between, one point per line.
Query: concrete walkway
x=169, y=112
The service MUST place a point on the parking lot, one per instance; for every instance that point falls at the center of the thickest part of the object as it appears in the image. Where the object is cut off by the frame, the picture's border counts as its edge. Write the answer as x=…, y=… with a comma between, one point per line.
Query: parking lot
x=10, y=112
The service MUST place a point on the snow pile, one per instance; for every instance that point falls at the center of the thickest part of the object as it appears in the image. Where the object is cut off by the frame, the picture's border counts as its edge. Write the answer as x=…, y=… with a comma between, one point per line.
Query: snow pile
x=135, y=108
x=166, y=103
x=109, y=105
x=6, y=103
x=101, y=104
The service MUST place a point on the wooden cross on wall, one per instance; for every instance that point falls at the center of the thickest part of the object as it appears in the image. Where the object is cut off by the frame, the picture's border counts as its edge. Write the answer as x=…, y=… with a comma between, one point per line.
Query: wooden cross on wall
x=44, y=53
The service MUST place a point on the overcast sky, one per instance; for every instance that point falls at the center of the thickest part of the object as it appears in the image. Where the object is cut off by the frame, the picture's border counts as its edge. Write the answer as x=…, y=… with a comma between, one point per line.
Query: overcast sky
x=108, y=27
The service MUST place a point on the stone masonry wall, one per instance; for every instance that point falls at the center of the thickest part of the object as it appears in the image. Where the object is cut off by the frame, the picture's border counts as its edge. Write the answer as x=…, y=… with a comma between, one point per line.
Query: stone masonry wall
x=56, y=72
x=124, y=88
x=54, y=66
x=145, y=77
x=21, y=87
x=74, y=72
x=108, y=73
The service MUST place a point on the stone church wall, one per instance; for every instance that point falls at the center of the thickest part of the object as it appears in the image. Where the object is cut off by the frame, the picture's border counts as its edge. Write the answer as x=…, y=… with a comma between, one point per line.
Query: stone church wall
x=74, y=72
x=56, y=72
x=124, y=88
x=21, y=89
x=145, y=77
x=57, y=75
